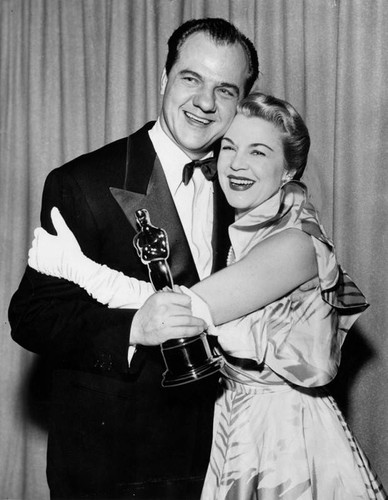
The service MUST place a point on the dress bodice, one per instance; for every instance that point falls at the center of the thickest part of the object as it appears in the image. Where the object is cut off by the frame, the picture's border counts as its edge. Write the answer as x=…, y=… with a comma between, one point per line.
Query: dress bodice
x=298, y=337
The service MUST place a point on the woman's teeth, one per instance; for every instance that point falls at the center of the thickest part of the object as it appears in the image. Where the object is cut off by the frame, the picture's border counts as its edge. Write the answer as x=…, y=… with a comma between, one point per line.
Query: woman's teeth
x=241, y=182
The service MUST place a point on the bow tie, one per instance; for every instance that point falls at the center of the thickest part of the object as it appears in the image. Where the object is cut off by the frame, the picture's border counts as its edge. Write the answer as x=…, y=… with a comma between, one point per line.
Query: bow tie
x=207, y=166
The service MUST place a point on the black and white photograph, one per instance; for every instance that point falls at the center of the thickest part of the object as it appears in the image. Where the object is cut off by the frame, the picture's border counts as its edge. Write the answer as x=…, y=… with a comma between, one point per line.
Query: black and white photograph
x=194, y=274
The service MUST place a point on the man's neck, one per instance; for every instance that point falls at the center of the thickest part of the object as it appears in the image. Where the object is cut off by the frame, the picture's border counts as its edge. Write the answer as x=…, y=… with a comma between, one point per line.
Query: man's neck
x=191, y=155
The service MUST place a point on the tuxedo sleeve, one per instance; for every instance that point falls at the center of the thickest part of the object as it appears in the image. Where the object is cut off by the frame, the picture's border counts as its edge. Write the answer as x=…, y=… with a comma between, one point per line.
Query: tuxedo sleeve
x=56, y=318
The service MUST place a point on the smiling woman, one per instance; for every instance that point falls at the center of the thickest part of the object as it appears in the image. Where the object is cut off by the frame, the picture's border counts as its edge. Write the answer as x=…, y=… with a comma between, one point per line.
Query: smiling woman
x=266, y=145
x=250, y=172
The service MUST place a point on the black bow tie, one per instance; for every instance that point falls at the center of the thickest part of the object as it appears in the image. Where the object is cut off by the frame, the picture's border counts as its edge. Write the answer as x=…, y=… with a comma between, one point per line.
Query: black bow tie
x=207, y=166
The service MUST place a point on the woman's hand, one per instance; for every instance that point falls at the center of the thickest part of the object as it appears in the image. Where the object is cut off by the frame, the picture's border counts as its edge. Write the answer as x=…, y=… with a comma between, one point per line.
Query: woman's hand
x=51, y=254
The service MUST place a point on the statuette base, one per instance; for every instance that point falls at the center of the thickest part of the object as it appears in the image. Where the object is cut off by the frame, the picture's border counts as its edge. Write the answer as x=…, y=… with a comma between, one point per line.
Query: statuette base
x=188, y=360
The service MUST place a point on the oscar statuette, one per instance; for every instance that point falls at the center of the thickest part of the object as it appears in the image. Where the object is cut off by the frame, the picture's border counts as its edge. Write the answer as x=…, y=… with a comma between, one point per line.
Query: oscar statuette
x=186, y=359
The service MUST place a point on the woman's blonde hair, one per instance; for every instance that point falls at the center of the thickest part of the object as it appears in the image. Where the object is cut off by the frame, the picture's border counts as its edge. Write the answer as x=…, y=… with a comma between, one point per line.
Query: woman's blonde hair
x=294, y=133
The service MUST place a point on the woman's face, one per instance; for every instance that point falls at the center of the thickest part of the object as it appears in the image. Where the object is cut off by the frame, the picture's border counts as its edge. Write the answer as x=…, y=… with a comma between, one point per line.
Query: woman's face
x=251, y=162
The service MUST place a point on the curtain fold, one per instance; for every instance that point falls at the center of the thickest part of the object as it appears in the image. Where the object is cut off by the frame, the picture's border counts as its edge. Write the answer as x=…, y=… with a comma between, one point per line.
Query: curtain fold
x=360, y=202
x=77, y=74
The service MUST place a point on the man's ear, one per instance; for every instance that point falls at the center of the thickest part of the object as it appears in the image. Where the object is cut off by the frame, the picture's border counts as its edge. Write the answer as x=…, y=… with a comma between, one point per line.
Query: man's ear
x=163, y=81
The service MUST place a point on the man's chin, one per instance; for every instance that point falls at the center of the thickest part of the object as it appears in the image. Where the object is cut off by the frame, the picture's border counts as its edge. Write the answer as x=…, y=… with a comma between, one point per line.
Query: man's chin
x=198, y=148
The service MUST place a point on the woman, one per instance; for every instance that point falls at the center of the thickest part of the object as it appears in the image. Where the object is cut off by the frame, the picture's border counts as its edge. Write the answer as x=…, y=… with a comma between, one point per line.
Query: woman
x=277, y=433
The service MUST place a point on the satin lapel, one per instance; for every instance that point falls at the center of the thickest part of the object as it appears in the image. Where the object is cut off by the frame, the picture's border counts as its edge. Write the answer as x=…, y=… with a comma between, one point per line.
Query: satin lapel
x=157, y=200
x=147, y=188
x=129, y=203
x=139, y=166
x=223, y=217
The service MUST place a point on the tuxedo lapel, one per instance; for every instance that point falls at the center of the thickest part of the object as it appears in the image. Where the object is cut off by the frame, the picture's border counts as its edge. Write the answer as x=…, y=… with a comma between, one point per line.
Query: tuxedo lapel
x=129, y=202
x=146, y=188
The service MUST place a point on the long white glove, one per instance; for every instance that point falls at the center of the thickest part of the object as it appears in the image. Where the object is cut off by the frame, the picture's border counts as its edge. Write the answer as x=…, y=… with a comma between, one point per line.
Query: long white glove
x=61, y=256
x=200, y=309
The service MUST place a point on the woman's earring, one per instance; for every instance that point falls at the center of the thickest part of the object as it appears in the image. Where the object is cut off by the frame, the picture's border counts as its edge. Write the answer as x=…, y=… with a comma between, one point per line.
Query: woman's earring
x=286, y=178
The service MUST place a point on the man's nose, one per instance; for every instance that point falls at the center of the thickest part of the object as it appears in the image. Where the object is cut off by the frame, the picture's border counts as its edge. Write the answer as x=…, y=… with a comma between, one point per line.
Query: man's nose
x=205, y=100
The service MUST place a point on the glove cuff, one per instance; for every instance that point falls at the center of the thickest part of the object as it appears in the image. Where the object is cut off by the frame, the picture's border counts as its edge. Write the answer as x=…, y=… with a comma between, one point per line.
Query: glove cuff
x=200, y=309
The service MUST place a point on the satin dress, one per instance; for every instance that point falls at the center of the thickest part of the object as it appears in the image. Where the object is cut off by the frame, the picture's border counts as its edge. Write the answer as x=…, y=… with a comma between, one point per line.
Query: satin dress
x=277, y=433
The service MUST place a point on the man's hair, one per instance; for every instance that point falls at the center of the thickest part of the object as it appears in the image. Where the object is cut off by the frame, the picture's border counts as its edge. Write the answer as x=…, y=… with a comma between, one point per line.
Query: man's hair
x=221, y=32
x=294, y=133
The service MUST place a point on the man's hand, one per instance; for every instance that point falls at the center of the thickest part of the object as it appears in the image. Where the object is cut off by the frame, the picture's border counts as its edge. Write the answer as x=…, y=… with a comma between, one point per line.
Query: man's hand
x=165, y=316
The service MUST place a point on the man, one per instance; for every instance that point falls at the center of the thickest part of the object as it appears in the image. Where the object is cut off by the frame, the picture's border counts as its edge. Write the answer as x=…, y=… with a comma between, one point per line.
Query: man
x=114, y=431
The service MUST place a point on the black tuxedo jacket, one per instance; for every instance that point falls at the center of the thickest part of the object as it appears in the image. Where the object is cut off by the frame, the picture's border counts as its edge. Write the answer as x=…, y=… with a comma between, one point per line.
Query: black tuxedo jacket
x=113, y=427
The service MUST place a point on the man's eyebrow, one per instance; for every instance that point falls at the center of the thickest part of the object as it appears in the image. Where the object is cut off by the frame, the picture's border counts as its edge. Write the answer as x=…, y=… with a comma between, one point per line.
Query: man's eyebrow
x=190, y=72
x=230, y=86
x=222, y=84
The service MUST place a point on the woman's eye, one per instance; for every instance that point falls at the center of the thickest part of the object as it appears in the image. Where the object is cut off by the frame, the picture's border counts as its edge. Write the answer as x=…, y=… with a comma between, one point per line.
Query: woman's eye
x=256, y=152
x=226, y=147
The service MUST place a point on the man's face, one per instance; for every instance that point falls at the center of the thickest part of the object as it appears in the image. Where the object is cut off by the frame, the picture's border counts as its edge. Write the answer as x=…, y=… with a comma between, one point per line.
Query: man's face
x=201, y=93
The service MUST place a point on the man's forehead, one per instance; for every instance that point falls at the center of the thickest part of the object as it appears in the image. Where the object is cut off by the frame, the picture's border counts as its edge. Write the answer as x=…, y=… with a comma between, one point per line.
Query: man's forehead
x=202, y=36
x=213, y=59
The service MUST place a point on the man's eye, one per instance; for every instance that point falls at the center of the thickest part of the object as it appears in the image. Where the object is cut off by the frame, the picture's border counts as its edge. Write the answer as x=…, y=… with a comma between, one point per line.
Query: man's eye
x=227, y=92
x=190, y=80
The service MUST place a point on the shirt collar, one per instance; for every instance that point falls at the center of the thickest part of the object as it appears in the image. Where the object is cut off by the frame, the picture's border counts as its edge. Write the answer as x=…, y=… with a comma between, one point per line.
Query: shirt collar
x=171, y=157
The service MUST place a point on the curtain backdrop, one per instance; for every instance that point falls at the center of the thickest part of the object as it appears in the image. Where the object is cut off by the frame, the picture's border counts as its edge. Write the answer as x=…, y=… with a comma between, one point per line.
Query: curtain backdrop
x=76, y=74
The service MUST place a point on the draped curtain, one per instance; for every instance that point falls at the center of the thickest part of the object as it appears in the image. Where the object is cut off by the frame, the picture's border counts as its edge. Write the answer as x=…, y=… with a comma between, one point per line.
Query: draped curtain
x=76, y=74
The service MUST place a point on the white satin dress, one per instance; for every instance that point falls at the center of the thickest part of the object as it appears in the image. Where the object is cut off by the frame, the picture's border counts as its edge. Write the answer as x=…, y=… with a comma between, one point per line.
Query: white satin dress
x=278, y=435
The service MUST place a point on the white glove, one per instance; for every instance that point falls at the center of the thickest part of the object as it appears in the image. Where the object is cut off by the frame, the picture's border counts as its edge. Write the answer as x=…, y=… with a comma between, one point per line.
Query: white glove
x=52, y=255
x=200, y=309
x=61, y=256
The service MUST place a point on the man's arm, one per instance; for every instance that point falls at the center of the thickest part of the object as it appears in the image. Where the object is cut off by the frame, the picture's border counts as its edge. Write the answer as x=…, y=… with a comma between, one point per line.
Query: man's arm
x=54, y=317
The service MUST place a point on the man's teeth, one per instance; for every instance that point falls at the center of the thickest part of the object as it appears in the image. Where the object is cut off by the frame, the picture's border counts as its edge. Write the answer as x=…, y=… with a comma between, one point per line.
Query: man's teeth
x=241, y=182
x=197, y=119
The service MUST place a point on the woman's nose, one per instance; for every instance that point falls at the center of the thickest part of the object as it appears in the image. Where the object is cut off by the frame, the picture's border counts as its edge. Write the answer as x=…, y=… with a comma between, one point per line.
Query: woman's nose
x=238, y=162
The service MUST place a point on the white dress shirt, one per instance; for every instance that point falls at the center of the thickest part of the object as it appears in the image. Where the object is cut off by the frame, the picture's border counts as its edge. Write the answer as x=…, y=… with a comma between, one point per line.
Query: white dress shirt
x=193, y=202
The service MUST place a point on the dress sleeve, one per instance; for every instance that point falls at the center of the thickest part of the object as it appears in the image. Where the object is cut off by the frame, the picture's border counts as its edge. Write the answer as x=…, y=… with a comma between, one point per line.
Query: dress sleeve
x=299, y=336
x=304, y=335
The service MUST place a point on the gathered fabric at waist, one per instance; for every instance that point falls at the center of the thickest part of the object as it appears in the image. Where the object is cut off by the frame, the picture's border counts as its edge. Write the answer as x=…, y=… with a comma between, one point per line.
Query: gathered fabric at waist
x=248, y=373
x=253, y=388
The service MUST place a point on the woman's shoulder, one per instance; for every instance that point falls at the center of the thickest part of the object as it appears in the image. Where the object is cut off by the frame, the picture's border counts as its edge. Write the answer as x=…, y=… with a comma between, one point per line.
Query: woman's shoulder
x=289, y=238
x=297, y=211
x=291, y=247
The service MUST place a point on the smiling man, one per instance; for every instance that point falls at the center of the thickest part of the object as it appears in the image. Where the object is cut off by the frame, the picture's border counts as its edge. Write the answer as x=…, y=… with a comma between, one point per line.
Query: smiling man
x=201, y=92
x=114, y=431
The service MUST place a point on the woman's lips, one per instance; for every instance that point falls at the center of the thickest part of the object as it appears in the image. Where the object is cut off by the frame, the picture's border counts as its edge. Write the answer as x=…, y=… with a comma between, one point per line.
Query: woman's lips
x=240, y=183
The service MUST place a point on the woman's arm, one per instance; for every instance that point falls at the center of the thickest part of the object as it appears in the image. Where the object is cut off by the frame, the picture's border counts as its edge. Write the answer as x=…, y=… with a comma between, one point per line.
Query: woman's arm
x=61, y=256
x=273, y=268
